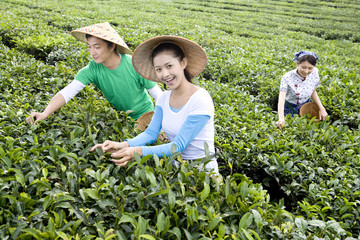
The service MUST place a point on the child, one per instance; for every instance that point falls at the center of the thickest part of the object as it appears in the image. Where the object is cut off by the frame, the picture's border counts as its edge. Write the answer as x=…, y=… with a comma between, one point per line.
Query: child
x=185, y=112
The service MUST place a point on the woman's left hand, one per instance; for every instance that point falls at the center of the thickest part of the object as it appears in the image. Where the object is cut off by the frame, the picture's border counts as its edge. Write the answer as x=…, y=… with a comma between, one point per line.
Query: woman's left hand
x=323, y=114
x=123, y=156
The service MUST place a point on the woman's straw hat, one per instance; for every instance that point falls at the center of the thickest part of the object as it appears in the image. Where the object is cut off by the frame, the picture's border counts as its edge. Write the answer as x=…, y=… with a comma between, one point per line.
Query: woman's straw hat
x=312, y=109
x=194, y=53
x=103, y=31
x=144, y=120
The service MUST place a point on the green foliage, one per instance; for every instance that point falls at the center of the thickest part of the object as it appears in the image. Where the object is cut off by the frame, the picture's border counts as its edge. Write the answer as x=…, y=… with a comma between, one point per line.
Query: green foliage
x=298, y=183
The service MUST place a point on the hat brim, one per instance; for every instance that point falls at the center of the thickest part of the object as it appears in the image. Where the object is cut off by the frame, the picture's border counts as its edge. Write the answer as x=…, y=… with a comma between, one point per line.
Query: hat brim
x=80, y=34
x=194, y=53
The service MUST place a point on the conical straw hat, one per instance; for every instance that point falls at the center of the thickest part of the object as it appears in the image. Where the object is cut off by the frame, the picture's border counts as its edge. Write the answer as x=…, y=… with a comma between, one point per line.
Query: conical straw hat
x=194, y=53
x=312, y=109
x=103, y=31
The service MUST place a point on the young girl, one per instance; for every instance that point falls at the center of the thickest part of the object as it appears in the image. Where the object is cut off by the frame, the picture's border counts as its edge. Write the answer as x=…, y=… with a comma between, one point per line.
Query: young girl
x=185, y=112
x=111, y=71
x=298, y=85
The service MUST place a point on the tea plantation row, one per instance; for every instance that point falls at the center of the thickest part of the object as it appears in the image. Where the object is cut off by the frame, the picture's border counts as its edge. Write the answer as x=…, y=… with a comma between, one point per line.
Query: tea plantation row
x=299, y=183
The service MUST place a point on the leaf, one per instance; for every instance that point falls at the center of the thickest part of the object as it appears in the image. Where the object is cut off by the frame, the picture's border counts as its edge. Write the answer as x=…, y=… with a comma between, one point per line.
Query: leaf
x=247, y=234
x=214, y=222
x=150, y=176
x=34, y=213
x=19, y=176
x=62, y=235
x=257, y=218
x=128, y=219
x=31, y=232
x=149, y=237
x=92, y=193
x=176, y=231
x=64, y=198
x=187, y=234
x=161, y=222
x=221, y=230
x=145, y=159
x=255, y=234
x=205, y=192
x=110, y=234
x=317, y=223
x=82, y=194
x=141, y=226
x=301, y=224
x=157, y=193
x=246, y=220
x=227, y=187
x=244, y=189
x=7, y=161
x=171, y=199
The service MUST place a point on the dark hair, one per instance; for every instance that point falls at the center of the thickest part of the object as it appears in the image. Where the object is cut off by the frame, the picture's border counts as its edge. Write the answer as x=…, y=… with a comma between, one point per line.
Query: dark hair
x=110, y=44
x=309, y=58
x=176, y=50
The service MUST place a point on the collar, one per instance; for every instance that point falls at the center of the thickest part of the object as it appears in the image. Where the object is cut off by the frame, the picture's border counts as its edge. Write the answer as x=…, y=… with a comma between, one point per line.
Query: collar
x=298, y=76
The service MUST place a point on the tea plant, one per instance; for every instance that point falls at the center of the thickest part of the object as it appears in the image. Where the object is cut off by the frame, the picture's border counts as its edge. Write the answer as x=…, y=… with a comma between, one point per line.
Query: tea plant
x=298, y=183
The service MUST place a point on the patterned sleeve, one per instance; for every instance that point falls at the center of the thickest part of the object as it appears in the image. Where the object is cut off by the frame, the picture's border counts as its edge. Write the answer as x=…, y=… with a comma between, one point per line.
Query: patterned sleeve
x=284, y=83
x=316, y=77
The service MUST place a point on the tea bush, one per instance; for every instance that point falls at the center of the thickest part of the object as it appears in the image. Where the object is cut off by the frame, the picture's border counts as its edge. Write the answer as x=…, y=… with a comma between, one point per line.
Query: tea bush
x=298, y=183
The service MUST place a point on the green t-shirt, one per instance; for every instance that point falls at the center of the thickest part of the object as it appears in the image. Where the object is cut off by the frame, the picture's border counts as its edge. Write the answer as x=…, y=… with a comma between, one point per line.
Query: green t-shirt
x=123, y=87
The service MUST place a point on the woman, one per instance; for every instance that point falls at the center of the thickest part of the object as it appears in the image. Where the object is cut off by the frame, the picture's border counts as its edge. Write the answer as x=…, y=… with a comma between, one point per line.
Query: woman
x=111, y=71
x=298, y=85
x=185, y=112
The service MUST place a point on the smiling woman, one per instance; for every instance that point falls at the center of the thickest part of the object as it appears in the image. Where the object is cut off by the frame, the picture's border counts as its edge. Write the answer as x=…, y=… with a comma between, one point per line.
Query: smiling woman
x=297, y=86
x=185, y=112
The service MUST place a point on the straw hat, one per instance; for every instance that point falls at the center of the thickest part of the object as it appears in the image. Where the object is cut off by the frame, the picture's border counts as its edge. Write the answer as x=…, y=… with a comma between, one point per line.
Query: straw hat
x=312, y=109
x=103, y=31
x=194, y=53
x=144, y=120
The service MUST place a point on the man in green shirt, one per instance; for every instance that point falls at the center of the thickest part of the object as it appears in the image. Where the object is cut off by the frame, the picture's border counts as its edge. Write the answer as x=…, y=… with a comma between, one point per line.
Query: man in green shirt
x=111, y=71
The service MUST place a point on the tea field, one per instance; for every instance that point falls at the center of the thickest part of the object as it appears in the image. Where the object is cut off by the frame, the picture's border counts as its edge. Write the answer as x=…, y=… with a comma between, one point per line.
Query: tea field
x=302, y=182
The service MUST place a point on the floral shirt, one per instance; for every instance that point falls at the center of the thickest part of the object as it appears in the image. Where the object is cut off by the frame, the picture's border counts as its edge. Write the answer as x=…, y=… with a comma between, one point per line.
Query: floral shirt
x=299, y=89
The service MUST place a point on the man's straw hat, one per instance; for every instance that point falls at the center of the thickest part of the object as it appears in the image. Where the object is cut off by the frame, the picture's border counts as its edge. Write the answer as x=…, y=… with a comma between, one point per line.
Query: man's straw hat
x=103, y=31
x=312, y=109
x=194, y=53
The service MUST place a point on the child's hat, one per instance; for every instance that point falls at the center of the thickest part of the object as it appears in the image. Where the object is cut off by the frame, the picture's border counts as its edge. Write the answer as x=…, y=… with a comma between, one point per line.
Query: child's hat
x=143, y=63
x=103, y=31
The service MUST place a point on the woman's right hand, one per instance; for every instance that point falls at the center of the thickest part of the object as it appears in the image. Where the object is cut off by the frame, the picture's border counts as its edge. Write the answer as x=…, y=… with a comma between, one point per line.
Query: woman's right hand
x=110, y=146
x=280, y=123
x=35, y=117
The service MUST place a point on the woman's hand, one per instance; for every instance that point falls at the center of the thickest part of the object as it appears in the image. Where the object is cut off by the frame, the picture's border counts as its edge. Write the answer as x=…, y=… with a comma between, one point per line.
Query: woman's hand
x=280, y=123
x=323, y=114
x=36, y=117
x=110, y=146
x=123, y=156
